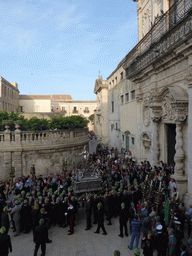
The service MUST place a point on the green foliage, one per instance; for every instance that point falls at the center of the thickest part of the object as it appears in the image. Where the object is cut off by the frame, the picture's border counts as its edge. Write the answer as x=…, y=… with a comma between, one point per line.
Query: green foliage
x=70, y=122
x=40, y=124
x=91, y=117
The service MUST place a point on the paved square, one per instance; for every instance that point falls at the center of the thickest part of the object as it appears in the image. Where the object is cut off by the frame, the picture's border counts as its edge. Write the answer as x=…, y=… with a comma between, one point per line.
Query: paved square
x=81, y=243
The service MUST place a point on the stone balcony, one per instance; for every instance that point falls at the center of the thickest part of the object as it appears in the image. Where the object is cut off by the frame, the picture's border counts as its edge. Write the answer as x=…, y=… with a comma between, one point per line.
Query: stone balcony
x=170, y=30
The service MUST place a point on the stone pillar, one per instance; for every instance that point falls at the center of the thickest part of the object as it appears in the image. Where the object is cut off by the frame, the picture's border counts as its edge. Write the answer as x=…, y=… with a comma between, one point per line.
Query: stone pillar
x=71, y=135
x=7, y=164
x=17, y=161
x=7, y=135
x=17, y=133
x=188, y=197
x=179, y=155
x=155, y=142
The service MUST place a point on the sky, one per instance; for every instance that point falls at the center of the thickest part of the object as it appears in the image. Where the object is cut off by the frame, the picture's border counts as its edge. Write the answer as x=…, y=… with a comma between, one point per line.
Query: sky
x=59, y=46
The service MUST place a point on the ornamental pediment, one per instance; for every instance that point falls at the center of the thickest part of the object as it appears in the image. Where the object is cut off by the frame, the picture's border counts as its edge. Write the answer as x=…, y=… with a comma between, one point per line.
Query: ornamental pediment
x=170, y=104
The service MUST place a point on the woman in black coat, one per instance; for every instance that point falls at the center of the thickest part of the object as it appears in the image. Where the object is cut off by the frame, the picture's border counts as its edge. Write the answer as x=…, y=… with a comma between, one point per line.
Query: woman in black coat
x=147, y=244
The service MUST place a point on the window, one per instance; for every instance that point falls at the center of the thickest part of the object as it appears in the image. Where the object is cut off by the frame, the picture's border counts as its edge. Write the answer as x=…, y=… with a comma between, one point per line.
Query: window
x=115, y=80
x=112, y=127
x=121, y=76
x=123, y=137
x=86, y=110
x=37, y=108
x=127, y=96
x=75, y=110
x=133, y=94
x=112, y=106
x=133, y=140
x=116, y=126
x=122, y=99
x=63, y=109
x=112, y=82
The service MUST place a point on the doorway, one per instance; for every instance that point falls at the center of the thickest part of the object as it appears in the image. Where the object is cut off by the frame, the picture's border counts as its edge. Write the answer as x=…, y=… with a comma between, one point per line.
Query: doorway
x=127, y=142
x=171, y=141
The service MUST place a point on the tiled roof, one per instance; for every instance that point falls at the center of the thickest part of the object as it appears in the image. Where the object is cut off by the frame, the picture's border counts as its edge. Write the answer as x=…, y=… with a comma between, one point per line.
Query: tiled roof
x=61, y=97
x=34, y=97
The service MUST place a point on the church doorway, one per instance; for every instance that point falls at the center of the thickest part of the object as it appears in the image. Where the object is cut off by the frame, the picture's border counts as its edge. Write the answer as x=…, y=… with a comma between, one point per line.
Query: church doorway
x=171, y=141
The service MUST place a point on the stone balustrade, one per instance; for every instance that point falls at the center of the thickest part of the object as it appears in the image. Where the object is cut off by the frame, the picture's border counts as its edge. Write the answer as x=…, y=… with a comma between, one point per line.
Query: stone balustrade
x=47, y=150
x=27, y=137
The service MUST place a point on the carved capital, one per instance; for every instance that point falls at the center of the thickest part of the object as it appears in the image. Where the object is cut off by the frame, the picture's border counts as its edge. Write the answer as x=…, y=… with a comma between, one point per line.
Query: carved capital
x=156, y=118
x=180, y=119
x=189, y=80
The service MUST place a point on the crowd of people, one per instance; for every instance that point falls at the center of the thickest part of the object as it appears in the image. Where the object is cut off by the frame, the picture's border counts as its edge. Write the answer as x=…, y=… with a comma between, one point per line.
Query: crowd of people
x=144, y=198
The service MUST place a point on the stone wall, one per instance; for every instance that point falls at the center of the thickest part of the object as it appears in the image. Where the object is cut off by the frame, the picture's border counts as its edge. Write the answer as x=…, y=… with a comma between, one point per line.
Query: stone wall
x=47, y=150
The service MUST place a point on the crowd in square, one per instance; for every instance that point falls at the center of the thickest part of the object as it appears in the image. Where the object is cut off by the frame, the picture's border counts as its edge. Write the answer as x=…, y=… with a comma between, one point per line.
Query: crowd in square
x=143, y=197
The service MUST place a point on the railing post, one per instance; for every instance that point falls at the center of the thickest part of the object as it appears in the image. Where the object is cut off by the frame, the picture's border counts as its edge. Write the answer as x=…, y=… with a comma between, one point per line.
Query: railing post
x=71, y=135
x=7, y=134
x=17, y=133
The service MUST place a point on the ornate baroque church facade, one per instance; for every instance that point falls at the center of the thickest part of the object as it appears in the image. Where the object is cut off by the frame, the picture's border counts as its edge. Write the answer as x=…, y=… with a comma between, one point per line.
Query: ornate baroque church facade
x=154, y=94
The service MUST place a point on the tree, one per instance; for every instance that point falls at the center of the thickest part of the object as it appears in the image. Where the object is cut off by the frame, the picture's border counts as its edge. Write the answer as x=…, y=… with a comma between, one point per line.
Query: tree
x=40, y=124
x=91, y=117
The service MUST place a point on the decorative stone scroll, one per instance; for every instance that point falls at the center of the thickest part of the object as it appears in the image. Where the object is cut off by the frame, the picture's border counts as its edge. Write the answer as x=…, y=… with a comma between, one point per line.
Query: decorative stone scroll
x=146, y=112
x=168, y=113
x=146, y=140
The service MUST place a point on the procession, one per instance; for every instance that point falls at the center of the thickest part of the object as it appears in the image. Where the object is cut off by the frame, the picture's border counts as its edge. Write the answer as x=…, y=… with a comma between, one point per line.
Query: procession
x=144, y=198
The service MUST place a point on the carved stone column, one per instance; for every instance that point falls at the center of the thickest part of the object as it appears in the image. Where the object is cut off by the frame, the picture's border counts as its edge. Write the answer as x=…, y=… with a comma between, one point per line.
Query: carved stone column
x=156, y=117
x=180, y=109
x=188, y=197
x=155, y=141
x=179, y=155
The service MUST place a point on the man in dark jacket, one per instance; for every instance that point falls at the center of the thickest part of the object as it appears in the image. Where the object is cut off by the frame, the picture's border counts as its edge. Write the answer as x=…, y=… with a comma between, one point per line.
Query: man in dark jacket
x=40, y=237
x=123, y=220
x=160, y=241
x=94, y=203
x=100, y=219
x=5, y=242
x=26, y=211
x=34, y=217
x=88, y=212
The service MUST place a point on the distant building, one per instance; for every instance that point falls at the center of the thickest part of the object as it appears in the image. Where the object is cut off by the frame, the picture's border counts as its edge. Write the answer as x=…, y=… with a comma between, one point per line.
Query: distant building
x=45, y=106
x=65, y=104
x=35, y=103
x=9, y=95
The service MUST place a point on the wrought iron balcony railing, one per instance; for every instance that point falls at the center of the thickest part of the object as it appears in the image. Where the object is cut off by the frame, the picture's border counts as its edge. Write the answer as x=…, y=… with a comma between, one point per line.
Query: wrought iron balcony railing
x=168, y=30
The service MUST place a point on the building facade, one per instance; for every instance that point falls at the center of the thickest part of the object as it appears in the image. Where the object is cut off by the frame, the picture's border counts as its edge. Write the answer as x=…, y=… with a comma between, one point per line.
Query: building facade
x=44, y=106
x=158, y=74
x=35, y=103
x=101, y=112
x=9, y=95
x=65, y=104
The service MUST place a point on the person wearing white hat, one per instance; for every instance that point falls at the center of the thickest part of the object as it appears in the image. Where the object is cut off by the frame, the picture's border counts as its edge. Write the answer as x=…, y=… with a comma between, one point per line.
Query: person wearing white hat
x=160, y=241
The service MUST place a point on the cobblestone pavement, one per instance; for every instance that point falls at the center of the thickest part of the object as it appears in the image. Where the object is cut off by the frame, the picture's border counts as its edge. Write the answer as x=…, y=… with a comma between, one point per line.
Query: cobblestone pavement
x=81, y=243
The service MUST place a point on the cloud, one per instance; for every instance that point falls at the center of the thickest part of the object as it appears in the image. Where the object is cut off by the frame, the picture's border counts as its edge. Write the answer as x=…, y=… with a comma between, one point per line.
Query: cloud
x=68, y=17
